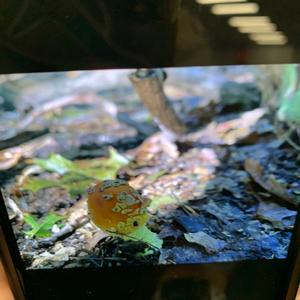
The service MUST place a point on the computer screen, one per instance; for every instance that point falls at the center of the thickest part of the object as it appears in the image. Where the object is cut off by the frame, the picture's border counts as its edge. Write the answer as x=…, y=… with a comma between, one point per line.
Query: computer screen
x=147, y=167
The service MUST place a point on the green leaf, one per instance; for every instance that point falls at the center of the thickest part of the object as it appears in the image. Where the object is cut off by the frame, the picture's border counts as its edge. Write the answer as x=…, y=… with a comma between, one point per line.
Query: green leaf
x=147, y=236
x=77, y=187
x=55, y=163
x=76, y=184
x=115, y=159
x=98, y=169
x=289, y=80
x=38, y=184
x=289, y=110
x=100, y=173
x=73, y=177
x=76, y=176
x=41, y=228
x=31, y=220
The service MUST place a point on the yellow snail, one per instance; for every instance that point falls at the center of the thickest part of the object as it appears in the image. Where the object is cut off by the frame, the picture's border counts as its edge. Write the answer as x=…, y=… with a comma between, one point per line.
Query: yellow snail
x=115, y=207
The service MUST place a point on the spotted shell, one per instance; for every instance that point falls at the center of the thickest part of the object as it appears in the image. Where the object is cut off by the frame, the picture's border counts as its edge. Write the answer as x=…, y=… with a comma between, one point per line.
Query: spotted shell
x=115, y=207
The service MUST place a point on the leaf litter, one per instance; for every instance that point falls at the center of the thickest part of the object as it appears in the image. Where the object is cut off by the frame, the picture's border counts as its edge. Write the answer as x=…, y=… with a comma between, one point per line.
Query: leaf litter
x=225, y=192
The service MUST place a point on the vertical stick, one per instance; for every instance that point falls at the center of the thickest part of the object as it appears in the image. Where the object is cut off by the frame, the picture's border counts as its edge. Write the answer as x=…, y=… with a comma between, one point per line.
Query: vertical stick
x=149, y=87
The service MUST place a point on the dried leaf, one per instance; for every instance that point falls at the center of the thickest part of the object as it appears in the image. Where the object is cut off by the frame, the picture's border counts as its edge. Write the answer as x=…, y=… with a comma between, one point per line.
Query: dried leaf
x=155, y=147
x=156, y=175
x=147, y=236
x=8, y=159
x=271, y=185
x=61, y=256
x=224, y=212
x=91, y=243
x=76, y=176
x=210, y=244
x=254, y=169
x=170, y=231
x=11, y=156
x=279, y=216
x=229, y=132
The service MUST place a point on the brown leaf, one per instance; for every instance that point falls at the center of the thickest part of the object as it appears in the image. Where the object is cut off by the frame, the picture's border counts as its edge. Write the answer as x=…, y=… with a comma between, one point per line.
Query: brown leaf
x=155, y=147
x=229, y=132
x=254, y=169
x=11, y=156
x=210, y=244
x=98, y=236
x=9, y=159
x=271, y=185
x=280, y=217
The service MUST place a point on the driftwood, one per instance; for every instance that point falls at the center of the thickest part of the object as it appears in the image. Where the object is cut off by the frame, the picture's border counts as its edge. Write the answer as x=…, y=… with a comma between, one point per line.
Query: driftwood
x=148, y=85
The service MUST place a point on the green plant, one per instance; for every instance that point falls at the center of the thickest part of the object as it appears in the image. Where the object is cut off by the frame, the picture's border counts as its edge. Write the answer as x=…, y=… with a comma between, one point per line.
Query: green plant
x=41, y=228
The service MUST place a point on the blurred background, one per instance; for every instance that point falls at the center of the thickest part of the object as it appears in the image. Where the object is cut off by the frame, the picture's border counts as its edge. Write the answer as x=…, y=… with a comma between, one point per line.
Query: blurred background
x=49, y=36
